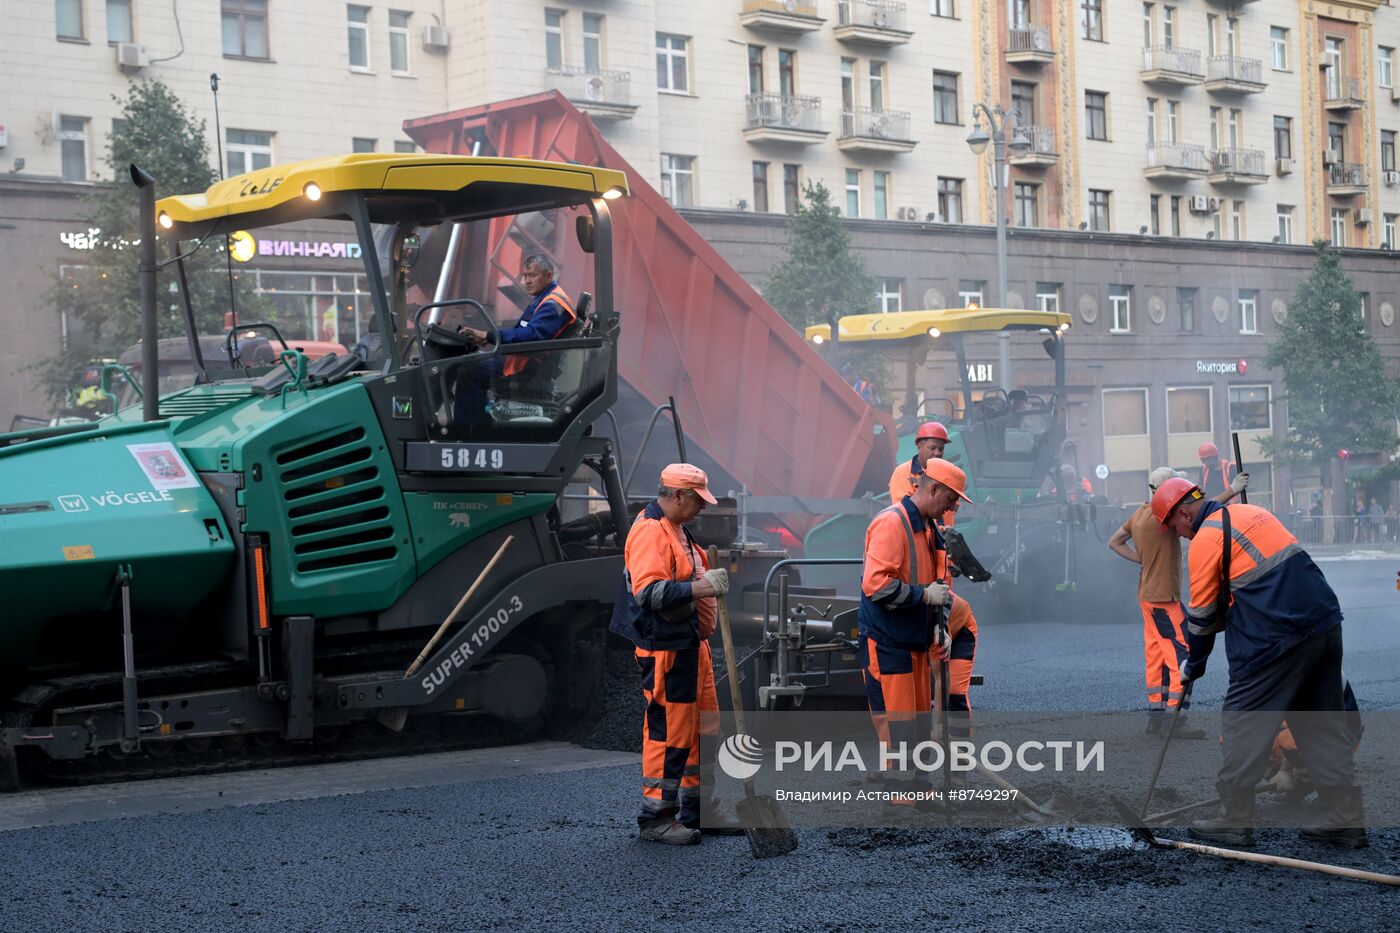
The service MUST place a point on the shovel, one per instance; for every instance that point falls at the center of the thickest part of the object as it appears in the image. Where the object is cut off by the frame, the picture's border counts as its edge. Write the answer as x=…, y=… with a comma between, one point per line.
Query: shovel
x=765, y=824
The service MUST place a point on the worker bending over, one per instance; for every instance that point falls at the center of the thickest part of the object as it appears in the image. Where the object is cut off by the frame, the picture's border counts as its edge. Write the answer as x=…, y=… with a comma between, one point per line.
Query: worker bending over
x=1159, y=593
x=667, y=609
x=1283, y=640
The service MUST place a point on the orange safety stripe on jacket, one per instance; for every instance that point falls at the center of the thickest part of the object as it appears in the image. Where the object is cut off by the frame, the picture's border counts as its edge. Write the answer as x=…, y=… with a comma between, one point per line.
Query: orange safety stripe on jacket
x=516, y=362
x=1260, y=544
x=891, y=545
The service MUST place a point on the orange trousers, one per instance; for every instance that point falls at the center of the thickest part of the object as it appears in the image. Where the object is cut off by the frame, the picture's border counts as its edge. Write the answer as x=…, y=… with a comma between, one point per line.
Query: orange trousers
x=962, y=629
x=678, y=687
x=1164, y=650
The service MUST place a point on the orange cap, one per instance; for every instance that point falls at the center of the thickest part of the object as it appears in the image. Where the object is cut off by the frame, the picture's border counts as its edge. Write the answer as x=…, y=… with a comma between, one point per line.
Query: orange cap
x=941, y=471
x=688, y=476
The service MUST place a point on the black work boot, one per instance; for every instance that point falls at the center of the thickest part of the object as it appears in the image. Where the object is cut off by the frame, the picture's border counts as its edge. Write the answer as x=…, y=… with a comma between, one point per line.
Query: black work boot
x=1235, y=824
x=1344, y=822
x=1154, y=723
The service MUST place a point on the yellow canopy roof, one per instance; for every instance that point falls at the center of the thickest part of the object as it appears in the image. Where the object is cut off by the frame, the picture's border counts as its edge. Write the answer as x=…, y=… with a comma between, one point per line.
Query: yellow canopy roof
x=907, y=325
x=278, y=194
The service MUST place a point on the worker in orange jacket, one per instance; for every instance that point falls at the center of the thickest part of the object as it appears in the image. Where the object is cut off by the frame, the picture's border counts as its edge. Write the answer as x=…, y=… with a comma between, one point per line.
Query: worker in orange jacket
x=1216, y=474
x=929, y=441
x=901, y=582
x=667, y=609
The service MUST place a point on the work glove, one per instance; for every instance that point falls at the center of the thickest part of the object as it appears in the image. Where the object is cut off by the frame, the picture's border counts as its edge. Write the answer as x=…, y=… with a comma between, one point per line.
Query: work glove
x=1240, y=483
x=1192, y=670
x=942, y=642
x=1283, y=782
x=719, y=579
x=937, y=594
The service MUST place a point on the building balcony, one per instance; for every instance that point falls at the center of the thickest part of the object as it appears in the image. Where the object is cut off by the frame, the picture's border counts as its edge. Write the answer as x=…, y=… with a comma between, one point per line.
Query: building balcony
x=1176, y=160
x=874, y=22
x=780, y=16
x=1342, y=93
x=1230, y=74
x=1345, y=179
x=1171, y=65
x=783, y=118
x=866, y=130
x=1042, y=151
x=604, y=95
x=1029, y=45
x=1237, y=167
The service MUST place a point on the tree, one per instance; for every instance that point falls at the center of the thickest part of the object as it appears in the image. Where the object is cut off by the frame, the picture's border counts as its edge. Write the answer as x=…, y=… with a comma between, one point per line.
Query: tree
x=102, y=297
x=822, y=279
x=1334, y=380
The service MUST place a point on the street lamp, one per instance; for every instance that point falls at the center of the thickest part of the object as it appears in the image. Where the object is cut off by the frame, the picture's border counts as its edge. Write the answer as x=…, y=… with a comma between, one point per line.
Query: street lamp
x=1000, y=122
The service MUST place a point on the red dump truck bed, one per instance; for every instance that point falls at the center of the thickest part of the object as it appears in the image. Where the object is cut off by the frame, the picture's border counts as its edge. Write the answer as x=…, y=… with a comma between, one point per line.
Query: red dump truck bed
x=758, y=402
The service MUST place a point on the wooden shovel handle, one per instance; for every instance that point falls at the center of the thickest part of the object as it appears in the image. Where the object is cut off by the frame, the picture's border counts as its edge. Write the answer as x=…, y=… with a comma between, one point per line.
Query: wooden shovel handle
x=452, y=616
x=726, y=634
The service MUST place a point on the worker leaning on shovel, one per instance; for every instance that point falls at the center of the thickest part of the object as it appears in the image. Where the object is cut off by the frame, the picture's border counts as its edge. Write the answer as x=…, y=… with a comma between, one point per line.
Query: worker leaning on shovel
x=904, y=563
x=1283, y=639
x=667, y=610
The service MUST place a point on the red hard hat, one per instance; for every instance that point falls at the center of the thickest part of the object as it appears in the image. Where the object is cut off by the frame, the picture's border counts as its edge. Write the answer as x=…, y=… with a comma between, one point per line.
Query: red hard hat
x=1207, y=450
x=931, y=429
x=1171, y=494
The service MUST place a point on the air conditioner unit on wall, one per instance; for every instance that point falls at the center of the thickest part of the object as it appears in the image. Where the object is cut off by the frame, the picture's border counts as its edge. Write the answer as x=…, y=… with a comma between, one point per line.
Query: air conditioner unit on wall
x=1331, y=157
x=1214, y=204
x=908, y=213
x=131, y=55
x=1200, y=204
x=1392, y=179
x=1395, y=92
x=1285, y=166
x=1363, y=216
x=435, y=37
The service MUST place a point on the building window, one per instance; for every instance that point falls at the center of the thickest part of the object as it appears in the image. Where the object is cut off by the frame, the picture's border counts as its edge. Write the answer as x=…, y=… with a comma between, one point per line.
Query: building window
x=1250, y=408
x=405, y=146
x=319, y=306
x=1176, y=215
x=1047, y=296
x=1186, y=309
x=119, y=21
x=852, y=192
x=1027, y=195
x=1278, y=48
x=877, y=86
x=1098, y=209
x=592, y=42
x=945, y=97
x=672, y=63
x=1091, y=19
x=755, y=69
x=69, y=16
x=1120, y=307
x=1237, y=220
x=787, y=72
x=1387, y=150
x=760, y=187
x=362, y=144
x=247, y=151
x=792, y=187
x=1125, y=412
x=72, y=139
x=1249, y=311
x=358, y=27
x=1385, y=65
x=678, y=179
x=1388, y=231
x=950, y=206
x=1023, y=102
x=943, y=8
x=1284, y=213
x=245, y=28
x=890, y=297
x=398, y=41
x=882, y=195
x=1339, y=226
x=554, y=38
x=970, y=292
x=1188, y=410
x=1283, y=137
x=1096, y=114
x=1154, y=214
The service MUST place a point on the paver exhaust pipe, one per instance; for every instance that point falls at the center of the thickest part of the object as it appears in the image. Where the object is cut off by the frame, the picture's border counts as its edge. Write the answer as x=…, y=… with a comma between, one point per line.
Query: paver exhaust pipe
x=150, y=378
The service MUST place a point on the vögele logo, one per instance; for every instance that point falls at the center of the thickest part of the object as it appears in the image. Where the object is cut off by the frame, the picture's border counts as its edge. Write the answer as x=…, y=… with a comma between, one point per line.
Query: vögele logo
x=740, y=756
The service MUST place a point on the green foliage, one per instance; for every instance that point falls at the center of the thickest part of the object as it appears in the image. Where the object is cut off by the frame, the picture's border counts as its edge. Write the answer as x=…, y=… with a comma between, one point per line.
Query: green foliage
x=102, y=297
x=1334, y=380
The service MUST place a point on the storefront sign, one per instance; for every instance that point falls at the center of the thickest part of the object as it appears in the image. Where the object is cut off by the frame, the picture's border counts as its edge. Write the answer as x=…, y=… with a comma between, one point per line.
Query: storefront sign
x=1222, y=367
x=78, y=239
x=317, y=248
x=980, y=373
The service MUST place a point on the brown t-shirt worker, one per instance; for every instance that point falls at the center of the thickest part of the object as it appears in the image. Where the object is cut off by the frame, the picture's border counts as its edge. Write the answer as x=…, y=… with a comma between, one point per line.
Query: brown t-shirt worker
x=1160, y=578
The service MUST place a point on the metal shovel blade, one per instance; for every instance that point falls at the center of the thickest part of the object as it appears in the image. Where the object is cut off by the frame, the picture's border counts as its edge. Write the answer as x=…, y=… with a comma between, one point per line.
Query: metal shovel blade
x=766, y=827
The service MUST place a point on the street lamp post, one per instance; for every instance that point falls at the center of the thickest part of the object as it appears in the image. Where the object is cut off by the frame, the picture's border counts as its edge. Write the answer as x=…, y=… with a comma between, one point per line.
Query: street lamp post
x=1000, y=124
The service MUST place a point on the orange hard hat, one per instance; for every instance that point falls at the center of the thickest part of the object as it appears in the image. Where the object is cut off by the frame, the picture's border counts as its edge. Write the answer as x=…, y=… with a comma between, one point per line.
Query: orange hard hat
x=1207, y=450
x=944, y=473
x=1169, y=495
x=931, y=429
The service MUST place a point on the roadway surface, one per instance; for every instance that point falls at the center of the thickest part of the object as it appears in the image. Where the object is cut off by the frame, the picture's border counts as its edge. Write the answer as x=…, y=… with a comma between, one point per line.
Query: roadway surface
x=541, y=836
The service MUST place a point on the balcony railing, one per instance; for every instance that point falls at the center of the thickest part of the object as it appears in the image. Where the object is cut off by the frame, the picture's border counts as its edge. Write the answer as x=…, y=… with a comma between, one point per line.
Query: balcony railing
x=865, y=123
x=1340, y=90
x=784, y=111
x=1184, y=157
x=1172, y=59
x=1346, y=175
x=1234, y=68
x=1028, y=39
x=1237, y=162
x=873, y=14
x=1042, y=139
x=597, y=87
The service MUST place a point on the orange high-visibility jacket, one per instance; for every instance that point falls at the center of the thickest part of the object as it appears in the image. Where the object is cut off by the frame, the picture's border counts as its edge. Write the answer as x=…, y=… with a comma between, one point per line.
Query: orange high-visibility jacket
x=903, y=554
x=1279, y=597
x=547, y=316
x=902, y=484
x=656, y=609
x=1215, y=482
